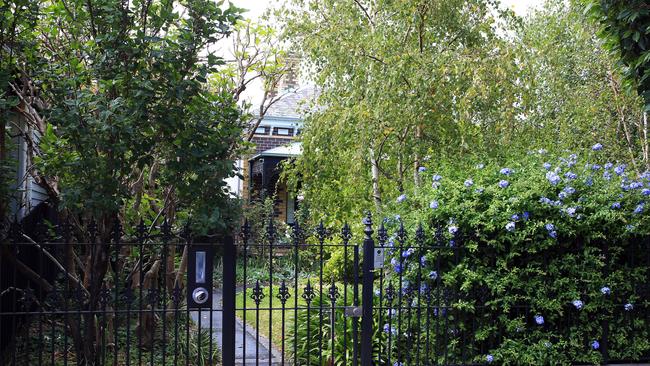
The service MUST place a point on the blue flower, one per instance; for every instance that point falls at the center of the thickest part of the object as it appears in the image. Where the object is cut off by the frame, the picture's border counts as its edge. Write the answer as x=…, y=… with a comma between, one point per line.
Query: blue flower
x=547, y=166
x=539, y=319
x=422, y=169
x=469, y=183
x=552, y=234
x=437, y=178
x=571, y=211
x=609, y=165
x=589, y=181
x=423, y=260
x=616, y=205
x=401, y=198
x=550, y=227
x=545, y=200
x=578, y=304
x=605, y=290
x=479, y=190
x=569, y=190
x=489, y=358
x=597, y=147
x=435, y=185
x=504, y=183
x=639, y=208
x=628, y=307
x=553, y=178
x=562, y=195
x=397, y=217
x=480, y=166
x=389, y=329
x=629, y=227
x=505, y=171
x=514, y=217
x=636, y=185
x=408, y=252
x=452, y=242
x=570, y=175
x=645, y=192
x=397, y=267
x=433, y=204
x=453, y=230
x=526, y=215
x=607, y=175
x=595, y=345
x=433, y=275
x=619, y=170
x=595, y=167
x=510, y=226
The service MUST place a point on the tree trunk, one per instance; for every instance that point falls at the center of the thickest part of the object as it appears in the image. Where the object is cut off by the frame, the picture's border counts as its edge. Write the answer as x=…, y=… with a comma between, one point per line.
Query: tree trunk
x=376, y=194
x=146, y=327
x=416, y=164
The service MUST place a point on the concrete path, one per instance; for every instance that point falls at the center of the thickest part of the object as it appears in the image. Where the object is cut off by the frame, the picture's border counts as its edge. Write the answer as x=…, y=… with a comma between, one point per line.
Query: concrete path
x=248, y=335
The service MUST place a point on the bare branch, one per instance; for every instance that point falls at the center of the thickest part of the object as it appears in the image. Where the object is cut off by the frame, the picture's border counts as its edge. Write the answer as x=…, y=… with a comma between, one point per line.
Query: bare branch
x=70, y=276
x=365, y=11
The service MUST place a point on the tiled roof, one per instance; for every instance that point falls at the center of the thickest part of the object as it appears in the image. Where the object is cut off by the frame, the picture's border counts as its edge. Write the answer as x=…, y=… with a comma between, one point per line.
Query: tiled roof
x=292, y=104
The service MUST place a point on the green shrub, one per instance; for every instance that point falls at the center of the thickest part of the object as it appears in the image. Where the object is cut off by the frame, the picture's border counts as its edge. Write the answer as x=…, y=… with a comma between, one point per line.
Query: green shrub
x=561, y=238
x=319, y=340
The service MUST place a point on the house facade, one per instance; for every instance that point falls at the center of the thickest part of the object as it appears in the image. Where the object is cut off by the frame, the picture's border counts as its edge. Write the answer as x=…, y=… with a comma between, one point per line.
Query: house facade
x=275, y=142
x=26, y=194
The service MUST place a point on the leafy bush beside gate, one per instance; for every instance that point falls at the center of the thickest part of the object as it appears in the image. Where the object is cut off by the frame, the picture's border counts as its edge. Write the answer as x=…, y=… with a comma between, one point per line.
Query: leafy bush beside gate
x=311, y=340
x=542, y=260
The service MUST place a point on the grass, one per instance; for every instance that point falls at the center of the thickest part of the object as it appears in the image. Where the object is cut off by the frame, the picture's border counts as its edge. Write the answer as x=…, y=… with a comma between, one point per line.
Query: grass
x=274, y=328
x=275, y=316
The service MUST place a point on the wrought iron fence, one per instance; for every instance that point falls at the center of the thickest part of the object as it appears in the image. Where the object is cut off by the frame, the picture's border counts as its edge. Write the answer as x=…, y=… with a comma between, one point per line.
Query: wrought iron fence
x=133, y=297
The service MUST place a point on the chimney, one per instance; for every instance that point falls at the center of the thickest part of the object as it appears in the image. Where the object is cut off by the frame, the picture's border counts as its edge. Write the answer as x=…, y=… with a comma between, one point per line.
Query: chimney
x=289, y=81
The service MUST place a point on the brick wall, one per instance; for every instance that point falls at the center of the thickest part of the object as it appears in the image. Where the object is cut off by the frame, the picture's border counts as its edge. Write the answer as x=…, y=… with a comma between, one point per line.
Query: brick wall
x=265, y=143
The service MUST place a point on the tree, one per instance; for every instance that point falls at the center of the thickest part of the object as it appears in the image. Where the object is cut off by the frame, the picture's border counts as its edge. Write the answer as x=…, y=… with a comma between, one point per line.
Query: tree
x=624, y=26
x=448, y=81
x=257, y=55
x=572, y=94
x=129, y=127
x=399, y=86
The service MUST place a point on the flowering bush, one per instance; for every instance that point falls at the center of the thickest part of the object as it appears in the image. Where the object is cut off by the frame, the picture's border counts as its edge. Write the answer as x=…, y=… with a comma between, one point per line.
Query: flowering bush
x=544, y=260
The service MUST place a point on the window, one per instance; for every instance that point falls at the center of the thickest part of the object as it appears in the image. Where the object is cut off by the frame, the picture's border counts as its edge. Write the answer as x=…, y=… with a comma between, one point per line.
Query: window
x=262, y=130
x=282, y=131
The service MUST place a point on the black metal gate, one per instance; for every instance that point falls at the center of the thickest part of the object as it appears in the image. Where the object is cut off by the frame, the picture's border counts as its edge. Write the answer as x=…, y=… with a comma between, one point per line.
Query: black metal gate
x=148, y=295
x=297, y=296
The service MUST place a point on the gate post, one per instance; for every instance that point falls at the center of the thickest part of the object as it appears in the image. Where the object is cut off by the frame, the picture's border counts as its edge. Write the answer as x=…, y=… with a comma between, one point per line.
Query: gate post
x=367, y=293
x=228, y=321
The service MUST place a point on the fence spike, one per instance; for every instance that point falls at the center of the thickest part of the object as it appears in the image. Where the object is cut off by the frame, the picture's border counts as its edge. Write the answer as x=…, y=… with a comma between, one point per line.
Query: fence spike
x=346, y=233
x=419, y=235
x=367, y=221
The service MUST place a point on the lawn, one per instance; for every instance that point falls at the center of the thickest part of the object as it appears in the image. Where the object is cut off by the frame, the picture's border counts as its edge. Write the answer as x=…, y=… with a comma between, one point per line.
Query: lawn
x=276, y=320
